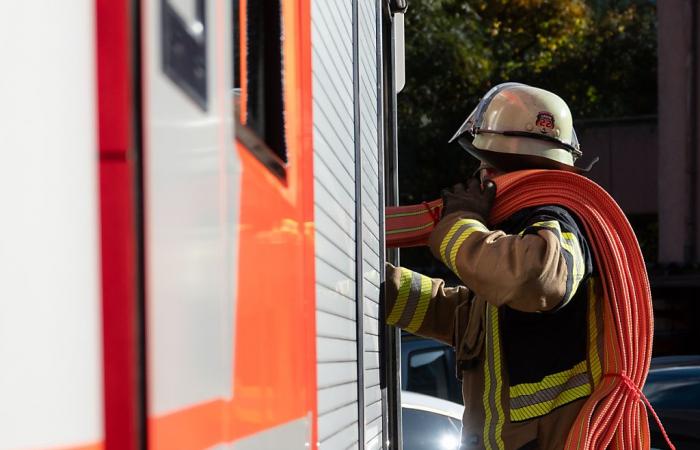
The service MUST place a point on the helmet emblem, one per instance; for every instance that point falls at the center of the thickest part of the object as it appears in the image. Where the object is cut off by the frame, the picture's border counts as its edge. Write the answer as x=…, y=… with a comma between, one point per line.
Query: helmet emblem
x=545, y=121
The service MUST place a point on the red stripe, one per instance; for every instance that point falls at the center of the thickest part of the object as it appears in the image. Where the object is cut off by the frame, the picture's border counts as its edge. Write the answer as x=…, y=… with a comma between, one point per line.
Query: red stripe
x=117, y=213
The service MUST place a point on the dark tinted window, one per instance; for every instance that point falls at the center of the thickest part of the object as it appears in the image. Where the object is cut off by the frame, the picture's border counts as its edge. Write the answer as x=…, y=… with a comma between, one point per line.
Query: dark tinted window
x=265, y=110
x=258, y=82
x=262, y=81
x=428, y=373
x=184, y=50
x=236, y=47
x=423, y=430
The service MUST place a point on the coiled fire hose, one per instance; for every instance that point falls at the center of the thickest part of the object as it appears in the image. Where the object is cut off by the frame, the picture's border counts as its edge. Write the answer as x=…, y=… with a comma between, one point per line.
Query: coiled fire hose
x=614, y=415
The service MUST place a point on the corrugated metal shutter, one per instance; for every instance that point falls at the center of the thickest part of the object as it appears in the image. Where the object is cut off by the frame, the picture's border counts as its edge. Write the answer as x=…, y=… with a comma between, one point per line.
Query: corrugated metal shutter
x=334, y=192
x=340, y=87
x=372, y=234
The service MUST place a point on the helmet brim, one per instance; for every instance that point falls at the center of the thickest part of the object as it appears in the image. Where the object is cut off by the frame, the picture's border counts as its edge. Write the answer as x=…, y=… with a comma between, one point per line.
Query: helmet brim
x=509, y=162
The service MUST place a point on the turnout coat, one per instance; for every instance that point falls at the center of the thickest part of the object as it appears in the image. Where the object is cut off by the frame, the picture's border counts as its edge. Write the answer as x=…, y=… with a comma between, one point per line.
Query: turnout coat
x=526, y=324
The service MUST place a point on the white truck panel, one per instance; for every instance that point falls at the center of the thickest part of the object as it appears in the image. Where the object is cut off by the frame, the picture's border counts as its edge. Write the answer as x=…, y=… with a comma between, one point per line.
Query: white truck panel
x=50, y=325
x=191, y=187
x=337, y=193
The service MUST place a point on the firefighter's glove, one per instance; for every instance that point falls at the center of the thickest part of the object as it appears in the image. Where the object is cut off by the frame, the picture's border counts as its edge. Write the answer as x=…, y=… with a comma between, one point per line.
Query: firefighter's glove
x=470, y=199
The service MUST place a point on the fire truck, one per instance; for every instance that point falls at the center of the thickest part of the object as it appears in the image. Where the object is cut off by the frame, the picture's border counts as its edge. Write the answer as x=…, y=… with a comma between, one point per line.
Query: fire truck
x=192, y=241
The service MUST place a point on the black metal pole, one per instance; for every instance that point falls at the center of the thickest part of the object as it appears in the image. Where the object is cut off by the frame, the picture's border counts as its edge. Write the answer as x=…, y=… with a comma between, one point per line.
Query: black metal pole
x=137, y=153
x=692, y=155
x=389, y=338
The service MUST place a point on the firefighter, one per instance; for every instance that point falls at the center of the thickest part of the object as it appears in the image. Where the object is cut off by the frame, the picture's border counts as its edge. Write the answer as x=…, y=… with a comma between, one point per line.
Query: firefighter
x=524, y=323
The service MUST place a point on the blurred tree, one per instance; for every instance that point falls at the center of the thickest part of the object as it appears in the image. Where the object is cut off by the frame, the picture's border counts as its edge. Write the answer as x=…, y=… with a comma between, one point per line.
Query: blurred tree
x=599, y=55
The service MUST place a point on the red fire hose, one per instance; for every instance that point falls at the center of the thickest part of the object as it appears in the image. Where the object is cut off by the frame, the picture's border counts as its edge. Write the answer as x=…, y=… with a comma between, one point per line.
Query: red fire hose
x=614, y=415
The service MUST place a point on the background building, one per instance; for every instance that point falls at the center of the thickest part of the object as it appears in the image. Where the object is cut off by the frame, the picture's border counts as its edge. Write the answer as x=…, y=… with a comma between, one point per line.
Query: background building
x=649, y=164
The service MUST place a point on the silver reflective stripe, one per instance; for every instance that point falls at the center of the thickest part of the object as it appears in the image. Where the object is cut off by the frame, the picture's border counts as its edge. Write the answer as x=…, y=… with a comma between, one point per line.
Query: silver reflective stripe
x=452, y=241
x=294, y=435
x=550, y=393
x=412, y=302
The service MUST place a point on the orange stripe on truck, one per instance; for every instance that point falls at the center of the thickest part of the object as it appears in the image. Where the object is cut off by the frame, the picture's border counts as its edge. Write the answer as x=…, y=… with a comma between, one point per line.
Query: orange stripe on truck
x=90, y=446
x=196, y=427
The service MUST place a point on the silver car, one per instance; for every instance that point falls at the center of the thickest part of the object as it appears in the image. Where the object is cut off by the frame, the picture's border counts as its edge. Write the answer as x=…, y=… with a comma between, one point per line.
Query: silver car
x=430, y=423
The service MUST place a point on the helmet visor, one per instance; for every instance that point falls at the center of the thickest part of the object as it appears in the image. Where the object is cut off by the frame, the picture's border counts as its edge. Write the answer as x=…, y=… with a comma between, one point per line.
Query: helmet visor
x=467, y=126
x=574, y=143
x=476, y=118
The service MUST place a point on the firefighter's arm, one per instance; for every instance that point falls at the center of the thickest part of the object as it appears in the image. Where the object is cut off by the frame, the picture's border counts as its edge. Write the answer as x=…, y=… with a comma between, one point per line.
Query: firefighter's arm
x=422, y=305
x=528, y=271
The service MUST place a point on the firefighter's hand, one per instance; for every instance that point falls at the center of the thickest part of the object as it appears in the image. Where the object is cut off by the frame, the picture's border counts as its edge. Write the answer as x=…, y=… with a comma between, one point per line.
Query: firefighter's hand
x=390, y=288
x=470, y=199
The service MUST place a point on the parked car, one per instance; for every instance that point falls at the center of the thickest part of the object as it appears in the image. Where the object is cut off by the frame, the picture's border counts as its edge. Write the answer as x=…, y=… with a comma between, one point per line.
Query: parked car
x=673, y=389
x=430, y=423
x=674, y=361
x=428, y=367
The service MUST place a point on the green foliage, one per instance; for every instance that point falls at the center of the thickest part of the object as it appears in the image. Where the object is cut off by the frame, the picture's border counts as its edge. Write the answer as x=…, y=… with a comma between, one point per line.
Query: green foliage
x=599, y=55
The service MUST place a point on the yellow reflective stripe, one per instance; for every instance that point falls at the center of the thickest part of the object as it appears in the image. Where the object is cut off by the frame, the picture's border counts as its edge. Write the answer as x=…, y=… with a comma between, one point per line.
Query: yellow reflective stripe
x=412, y=301
x=545, y=407
x=500, y=418
x=426, y=289
x=553, y=224
x=493, y=384
x=570, y=243
x=459, y=232
x=400, y=304
x=487, y=393
x=550, y=381
x=593, y=356
x=475, y=225
x=487, y=407
x=446, y=239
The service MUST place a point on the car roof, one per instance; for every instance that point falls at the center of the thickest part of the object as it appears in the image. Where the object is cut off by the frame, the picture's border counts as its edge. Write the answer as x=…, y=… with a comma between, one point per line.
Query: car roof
x=675, y=361
x=665, y=374
x=436, y=405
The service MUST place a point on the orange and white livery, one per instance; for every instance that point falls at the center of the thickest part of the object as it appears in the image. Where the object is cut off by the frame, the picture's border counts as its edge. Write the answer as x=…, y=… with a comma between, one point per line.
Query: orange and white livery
x=192, y=241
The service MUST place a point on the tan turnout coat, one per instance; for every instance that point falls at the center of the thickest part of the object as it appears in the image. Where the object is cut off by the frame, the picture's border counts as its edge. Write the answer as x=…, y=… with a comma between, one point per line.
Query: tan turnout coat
x=527, y=295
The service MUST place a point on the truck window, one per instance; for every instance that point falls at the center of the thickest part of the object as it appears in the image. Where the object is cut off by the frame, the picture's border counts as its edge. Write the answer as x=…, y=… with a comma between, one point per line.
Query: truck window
x=258, y=80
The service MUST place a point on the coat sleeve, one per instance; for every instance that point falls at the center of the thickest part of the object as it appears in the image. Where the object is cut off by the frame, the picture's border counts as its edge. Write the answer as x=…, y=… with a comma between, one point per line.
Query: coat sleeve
x=538, y=269
x=423, y=305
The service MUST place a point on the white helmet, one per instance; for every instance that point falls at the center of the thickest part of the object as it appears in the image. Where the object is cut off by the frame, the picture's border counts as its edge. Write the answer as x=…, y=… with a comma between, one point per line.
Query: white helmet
x=516, y=126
